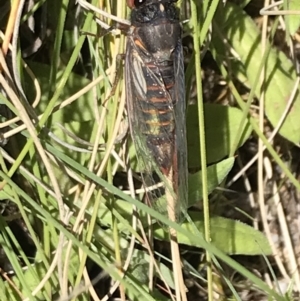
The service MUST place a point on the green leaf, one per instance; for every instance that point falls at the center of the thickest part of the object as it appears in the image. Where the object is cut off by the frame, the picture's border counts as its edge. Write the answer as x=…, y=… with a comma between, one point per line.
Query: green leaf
x=222, y=125
x=33, y=275
x=293, y=21
x=139, y=263
x=280, y=75
x=78, y=118
x=230, y=236
x=32, y=278
x=80, y=110
x=215, y=173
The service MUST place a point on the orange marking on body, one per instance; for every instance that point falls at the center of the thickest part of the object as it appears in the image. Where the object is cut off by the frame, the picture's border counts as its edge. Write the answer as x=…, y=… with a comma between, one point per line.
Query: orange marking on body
x=165, y=171
x=168, y=87
x=158, y=99
x=159, y=112
x=157, y=87
x=154, y=88
x=139, y=44
x=159, y=124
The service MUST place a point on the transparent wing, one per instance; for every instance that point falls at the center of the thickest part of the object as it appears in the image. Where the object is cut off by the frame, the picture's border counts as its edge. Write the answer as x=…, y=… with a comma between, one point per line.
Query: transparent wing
x=180, y=117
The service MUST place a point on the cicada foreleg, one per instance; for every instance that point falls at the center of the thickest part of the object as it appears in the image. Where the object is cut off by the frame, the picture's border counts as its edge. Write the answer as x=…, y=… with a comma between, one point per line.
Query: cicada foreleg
x=119, y=59
x=108, y=30
x=117, y=24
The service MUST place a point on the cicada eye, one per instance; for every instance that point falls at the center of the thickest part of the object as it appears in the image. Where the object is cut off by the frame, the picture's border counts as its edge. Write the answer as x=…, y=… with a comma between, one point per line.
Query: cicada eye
x=135, y=3
x=138, y=3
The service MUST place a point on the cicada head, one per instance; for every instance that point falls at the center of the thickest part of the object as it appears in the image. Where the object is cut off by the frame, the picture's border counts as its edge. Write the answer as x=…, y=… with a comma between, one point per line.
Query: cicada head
x=138, y=3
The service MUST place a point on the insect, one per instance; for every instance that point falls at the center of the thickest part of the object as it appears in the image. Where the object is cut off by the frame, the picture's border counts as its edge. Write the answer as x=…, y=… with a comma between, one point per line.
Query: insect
x=155, y=91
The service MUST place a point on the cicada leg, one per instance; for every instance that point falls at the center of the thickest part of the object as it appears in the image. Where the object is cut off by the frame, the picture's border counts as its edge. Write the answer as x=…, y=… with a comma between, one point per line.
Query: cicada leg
x=118, y=74
x=104, y=31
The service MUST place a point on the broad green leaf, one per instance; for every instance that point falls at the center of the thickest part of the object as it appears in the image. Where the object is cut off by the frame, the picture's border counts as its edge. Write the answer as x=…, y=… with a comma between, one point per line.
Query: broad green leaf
x=215, y=174
x=280, y=75
x=80, y=110
x=230, y=236
x=139, y=264
x=293, y=21
x=36, y=273
x=78, y=118
x=32, y=281
x=222, y=125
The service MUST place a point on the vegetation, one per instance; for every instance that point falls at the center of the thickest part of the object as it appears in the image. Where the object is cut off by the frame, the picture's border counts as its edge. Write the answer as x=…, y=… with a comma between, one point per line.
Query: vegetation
x=72, y=226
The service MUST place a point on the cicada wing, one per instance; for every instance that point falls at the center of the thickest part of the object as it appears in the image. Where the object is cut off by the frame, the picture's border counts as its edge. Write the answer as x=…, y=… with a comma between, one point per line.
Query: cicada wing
x=180, y=117
x=136, y=91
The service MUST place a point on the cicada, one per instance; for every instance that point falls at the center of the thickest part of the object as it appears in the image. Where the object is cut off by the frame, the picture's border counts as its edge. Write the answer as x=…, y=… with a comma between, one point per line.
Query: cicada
x=155, y=92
